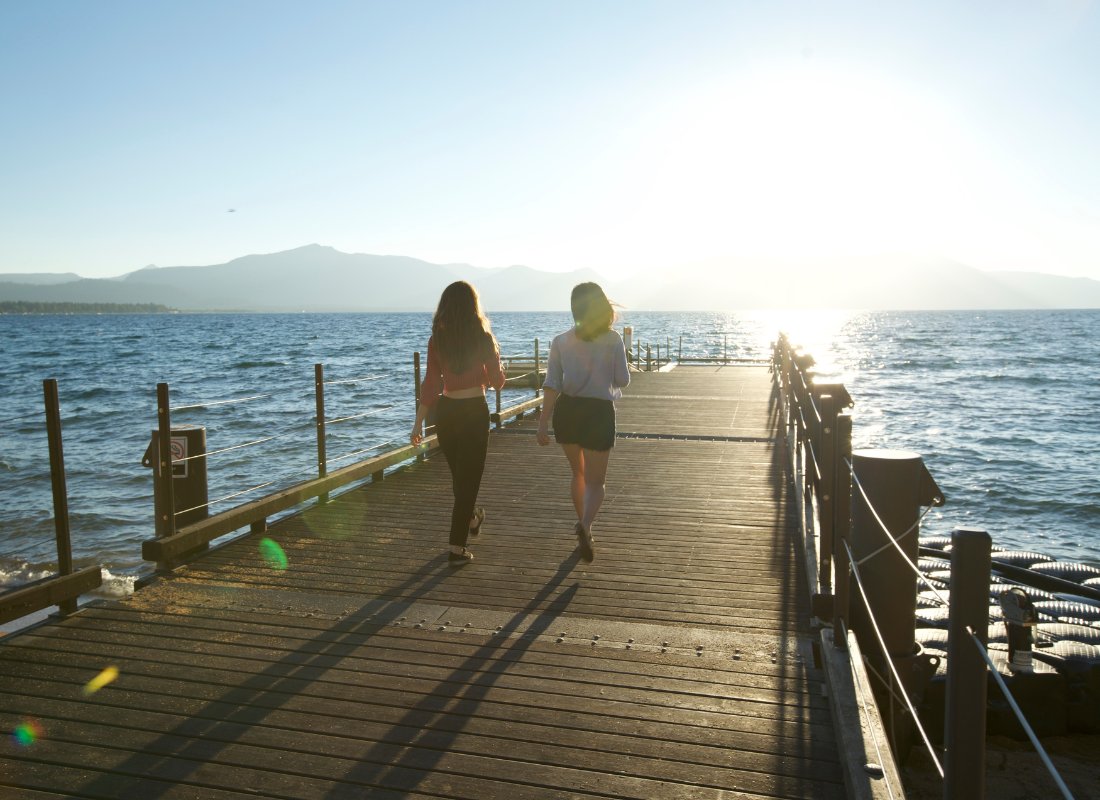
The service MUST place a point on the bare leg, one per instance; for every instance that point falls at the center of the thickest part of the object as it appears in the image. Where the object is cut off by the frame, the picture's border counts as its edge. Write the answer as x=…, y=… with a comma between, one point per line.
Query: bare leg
x=595, y=472
x=576, y=457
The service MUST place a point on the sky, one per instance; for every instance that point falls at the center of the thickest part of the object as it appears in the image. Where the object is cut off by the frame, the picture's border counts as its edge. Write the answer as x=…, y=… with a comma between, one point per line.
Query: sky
x=626, y=136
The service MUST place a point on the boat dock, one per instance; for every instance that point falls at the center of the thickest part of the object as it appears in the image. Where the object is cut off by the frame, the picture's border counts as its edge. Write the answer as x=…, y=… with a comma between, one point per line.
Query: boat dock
x=352, y=661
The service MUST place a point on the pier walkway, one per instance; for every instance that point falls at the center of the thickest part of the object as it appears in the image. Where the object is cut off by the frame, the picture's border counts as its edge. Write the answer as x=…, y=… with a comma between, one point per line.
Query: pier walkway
x=677, y=665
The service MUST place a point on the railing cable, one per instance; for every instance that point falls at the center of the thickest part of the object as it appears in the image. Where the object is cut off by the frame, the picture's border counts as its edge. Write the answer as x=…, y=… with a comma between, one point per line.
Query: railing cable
x=889, y=661
x=354, y=453
x=363, y=379
x=892, y=541
x=867, y=713
x=227, y=497
x=227, y=449
x=1020, y=715
x=221, y=402
x=360, y=416
x=287, y=479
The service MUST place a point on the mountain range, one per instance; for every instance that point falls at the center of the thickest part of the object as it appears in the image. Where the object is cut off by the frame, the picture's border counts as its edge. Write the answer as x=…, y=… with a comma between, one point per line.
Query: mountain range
x=320, y=278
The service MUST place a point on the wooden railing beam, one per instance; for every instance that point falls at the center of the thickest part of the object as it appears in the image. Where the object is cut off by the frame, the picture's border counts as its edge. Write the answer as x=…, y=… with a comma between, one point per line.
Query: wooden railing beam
x=166, y=549
x=56, y=590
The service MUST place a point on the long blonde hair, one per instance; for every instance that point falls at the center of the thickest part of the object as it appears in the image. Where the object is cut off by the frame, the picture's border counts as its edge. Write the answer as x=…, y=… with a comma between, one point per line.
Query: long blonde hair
x=592, y=311
x=460, y=329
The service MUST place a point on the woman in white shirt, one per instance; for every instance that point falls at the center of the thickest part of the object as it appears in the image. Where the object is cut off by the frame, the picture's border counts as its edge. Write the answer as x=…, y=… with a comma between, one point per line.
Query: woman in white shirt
x=584, y=377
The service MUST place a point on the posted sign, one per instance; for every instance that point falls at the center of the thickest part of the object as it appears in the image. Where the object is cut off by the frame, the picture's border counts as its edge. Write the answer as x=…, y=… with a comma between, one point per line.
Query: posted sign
x=179, y=453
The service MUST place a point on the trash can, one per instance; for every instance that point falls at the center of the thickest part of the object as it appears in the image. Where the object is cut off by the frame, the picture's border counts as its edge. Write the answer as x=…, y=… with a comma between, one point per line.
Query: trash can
x=189, y=490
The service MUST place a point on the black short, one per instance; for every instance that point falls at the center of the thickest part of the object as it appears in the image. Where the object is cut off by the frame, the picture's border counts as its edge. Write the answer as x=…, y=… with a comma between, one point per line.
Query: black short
x=586, y=421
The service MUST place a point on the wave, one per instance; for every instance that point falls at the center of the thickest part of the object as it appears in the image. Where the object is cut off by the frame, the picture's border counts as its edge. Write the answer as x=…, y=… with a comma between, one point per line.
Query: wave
x=994, y=401
x=93, y=393
x=20, y=573
x=254, y=364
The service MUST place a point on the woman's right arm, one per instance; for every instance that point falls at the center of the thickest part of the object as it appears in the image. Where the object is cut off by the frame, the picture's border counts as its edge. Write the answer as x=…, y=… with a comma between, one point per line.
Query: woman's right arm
x=549, y=399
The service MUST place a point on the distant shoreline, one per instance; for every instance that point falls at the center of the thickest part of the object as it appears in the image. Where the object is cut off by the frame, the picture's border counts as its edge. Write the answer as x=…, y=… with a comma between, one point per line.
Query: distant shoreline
x=31, y=307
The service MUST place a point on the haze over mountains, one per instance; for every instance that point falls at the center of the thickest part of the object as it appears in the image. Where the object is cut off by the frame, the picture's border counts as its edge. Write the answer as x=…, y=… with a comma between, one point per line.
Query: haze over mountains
x=319, y=278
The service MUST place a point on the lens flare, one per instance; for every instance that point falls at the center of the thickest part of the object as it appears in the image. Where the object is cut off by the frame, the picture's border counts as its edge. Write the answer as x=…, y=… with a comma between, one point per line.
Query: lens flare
x=273, y=554
x=27, y=733
x=101, y=680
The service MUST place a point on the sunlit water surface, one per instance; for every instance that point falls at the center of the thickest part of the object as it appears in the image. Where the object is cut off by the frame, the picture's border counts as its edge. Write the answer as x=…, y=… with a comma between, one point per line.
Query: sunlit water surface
x=1001, y=405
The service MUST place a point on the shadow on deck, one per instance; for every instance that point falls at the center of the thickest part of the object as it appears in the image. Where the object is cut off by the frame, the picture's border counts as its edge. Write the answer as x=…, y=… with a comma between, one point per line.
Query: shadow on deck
x=678, y=664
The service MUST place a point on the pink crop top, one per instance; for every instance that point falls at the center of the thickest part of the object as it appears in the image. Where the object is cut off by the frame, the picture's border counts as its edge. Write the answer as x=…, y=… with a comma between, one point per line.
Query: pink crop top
x=438, y=378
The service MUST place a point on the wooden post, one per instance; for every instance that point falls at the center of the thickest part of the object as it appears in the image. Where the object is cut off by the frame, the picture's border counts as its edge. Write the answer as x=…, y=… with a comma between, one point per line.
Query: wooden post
x=416, y=393
x=319, y=393
x=648, y=359
x=964, y=727
x=680, y=352
x=500, y=424
x=166, y=512
x=842, y=533
x=826, y=457
x=60, y=492
x=725, y=358
x=637, y=351
x=538, y=369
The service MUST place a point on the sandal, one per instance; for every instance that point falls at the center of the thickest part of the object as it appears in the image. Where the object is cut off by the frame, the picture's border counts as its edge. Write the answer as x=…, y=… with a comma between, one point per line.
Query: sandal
x=465, y=557
x=586, y=543
x=479, y=513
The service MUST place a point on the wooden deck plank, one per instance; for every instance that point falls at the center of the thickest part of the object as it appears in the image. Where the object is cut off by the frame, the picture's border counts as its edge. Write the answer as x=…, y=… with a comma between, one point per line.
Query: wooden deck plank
x=328, y=706
x=675, y=665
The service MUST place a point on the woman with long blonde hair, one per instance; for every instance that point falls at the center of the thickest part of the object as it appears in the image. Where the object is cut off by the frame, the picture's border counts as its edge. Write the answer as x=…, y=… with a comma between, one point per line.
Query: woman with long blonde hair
x=585, y=373
x=463, y=359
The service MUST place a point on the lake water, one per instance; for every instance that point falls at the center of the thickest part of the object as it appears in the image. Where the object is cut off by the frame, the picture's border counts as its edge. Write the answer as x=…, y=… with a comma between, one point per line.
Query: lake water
x=1001, y=405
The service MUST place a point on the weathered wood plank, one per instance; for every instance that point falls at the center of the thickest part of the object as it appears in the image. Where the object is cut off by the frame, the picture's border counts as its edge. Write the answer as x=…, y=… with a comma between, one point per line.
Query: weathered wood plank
x=675, y=665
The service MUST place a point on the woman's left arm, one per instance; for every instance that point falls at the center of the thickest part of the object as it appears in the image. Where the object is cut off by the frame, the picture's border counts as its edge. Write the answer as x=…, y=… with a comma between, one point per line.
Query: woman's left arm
x=494, y=368
x=417, y=434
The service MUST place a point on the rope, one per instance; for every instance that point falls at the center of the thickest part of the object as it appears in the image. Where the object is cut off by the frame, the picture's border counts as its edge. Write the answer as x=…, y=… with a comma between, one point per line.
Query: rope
x=1020, y=715
x=890, y=662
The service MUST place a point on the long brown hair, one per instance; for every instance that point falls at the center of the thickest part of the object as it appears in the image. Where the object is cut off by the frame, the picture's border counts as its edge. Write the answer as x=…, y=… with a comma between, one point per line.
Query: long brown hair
x=592, y=311
x=460, y=329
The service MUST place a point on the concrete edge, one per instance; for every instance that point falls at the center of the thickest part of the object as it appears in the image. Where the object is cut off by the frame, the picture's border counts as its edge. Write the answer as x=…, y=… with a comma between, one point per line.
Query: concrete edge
x=870, y=772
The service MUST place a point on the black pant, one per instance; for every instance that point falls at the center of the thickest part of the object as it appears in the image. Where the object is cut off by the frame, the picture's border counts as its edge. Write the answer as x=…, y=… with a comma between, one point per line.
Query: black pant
x=463, y=430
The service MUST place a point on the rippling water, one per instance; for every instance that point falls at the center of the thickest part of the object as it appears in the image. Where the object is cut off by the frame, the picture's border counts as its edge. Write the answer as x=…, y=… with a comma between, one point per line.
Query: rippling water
x=1001, y=405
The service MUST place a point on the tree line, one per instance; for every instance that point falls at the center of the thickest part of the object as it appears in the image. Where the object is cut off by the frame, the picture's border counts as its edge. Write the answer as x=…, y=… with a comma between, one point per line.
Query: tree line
x=33, y=307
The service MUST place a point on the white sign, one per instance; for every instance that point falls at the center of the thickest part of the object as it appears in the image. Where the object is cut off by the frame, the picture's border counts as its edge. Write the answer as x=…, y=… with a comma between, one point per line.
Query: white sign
x=179, y=454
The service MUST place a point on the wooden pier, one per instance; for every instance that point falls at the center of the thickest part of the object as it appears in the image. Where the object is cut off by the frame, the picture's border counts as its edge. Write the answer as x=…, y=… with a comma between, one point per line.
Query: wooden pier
x=677, y=665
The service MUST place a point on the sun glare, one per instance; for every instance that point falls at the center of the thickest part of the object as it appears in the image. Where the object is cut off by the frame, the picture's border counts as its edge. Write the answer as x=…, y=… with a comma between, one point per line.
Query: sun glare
x=802, y=163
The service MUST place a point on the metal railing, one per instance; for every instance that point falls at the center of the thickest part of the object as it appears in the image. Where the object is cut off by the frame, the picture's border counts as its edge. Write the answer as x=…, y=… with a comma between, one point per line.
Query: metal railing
x=846, y=524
